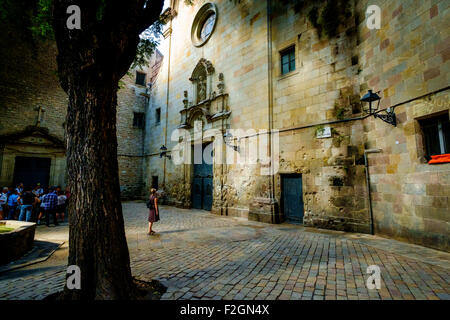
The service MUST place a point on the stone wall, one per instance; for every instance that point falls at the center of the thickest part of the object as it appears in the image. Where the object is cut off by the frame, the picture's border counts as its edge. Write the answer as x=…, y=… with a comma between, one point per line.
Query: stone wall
x=306, y=100
x=410, y=197
x=28, y=80
x=131, y=99
x=406, y=60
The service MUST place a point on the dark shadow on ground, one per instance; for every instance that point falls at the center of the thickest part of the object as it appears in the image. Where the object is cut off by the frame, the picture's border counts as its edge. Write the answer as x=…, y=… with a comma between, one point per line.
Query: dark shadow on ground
x=41, y=251
x=19, y=273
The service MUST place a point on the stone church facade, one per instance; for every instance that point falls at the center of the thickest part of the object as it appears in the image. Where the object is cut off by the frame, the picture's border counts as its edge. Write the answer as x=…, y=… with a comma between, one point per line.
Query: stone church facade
x=228, y=67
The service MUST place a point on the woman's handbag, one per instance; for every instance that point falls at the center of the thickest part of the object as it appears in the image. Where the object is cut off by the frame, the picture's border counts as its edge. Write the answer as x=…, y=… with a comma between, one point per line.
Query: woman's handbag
x=156, y=216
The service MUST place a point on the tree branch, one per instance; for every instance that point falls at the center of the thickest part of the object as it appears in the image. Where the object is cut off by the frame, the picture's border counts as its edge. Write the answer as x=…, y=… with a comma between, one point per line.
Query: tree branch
x=150, y=14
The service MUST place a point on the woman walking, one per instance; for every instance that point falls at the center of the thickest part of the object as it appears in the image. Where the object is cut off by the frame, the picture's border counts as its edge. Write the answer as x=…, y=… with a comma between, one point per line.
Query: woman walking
x=153, y=214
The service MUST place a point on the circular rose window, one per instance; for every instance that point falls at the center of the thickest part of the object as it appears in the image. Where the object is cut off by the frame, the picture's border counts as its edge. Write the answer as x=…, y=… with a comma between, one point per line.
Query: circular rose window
x=203, y=25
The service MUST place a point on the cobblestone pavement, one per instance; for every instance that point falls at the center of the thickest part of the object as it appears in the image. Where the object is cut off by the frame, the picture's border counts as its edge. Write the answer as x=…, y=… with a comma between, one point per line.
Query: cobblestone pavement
x=201, y=256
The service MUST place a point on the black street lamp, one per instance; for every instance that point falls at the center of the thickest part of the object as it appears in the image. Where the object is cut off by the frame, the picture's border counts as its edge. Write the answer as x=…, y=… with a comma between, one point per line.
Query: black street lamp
x=163, y=152
x=389, y=117
x=227, y=138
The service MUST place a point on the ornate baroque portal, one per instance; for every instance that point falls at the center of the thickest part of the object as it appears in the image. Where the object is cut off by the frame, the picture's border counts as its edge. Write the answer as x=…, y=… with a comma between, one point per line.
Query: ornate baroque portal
x=207, y=101
x=210, y=103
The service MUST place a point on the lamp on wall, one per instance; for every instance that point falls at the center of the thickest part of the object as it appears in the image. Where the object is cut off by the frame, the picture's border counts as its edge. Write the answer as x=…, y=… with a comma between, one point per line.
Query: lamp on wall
x=389, y=117
x=227, y=138
x=163, y=152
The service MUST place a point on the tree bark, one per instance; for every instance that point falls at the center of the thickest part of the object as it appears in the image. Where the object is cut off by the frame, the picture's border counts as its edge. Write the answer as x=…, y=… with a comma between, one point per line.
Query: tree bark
x=97, y=243
x=91, y=61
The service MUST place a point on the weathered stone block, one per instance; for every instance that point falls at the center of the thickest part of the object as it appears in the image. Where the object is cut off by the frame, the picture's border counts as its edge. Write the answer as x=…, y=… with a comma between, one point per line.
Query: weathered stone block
x=418, y=189
x=440, y=214
x=264, y=210
x=437, y=190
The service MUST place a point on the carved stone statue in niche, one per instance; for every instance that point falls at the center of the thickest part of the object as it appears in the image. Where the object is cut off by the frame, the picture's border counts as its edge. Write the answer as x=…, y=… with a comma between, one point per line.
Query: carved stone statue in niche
x=201, y=89
x=185, y=100
x=210, y=104
x=221, y=84
x=200, y=78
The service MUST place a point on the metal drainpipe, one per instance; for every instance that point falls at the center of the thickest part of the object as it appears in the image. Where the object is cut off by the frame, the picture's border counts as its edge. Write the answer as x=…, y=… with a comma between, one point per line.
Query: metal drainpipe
x=366, y=164
x=167, y=101
x=143, y=160
x=270, y=100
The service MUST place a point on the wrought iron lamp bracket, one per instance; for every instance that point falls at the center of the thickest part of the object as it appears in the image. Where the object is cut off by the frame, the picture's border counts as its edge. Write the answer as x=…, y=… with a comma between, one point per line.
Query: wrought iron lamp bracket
x=389, y=117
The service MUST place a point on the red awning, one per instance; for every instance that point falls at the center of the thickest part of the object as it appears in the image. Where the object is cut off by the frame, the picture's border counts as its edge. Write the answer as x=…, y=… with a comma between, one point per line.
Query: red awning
x=440, y=158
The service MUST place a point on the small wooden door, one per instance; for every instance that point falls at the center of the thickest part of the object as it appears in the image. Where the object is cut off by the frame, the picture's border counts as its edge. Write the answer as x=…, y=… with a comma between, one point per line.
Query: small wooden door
x=292, y=197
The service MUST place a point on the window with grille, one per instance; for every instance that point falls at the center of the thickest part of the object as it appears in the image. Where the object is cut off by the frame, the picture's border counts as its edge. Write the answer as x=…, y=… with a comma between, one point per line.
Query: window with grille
x=288, y=60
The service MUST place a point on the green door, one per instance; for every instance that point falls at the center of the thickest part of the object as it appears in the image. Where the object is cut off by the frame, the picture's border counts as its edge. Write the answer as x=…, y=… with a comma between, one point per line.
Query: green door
x=292, y=197
x=202, y=187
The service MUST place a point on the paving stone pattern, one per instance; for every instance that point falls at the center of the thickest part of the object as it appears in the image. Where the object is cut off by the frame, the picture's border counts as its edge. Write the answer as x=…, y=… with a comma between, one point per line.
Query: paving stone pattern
x=201, y=256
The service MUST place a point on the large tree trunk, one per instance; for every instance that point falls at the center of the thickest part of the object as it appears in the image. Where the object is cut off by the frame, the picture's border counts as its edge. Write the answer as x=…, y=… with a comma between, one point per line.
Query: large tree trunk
x=97, y=241
x=91, y=61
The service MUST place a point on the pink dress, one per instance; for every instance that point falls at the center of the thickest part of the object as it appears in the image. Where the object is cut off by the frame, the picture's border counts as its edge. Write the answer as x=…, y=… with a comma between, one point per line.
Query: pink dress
x=152, y=212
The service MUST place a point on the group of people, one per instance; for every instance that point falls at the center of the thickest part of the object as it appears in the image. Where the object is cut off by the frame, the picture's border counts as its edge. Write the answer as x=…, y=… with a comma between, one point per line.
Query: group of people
x=32, y=204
